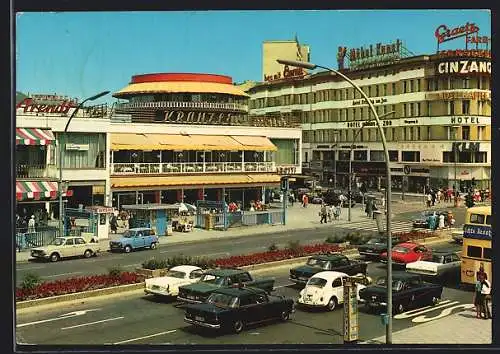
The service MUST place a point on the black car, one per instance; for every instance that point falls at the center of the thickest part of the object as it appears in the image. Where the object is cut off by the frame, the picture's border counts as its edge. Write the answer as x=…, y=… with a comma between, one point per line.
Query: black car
x=235, y=308
x=332, y=197
x=409, y=291
x=376, y=246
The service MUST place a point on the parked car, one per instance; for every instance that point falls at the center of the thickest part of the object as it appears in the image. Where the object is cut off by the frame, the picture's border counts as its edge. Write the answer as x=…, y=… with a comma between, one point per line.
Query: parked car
x=220, y=278
x=458, y=236
x=136, y=238
x=236, y=308
x=333, y=261
x=332, y=197
x=441, y=265
x=316, y=200
x=64, y=247
x=376, y=246
x=168, y=285
x=407, y=252
x=409, y=291
x=326, y=290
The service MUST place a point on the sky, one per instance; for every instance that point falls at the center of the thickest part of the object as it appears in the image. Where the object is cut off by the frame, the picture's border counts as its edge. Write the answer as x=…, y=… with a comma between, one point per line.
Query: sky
x=79, y=54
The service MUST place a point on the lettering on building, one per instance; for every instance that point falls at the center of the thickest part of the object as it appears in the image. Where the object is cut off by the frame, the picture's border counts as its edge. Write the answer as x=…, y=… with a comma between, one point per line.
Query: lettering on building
x=464, y=67
x=375, y=55
x=471, y=53
x=362, y=101
x=30, y=106
x=371, y=123
x=443, y=33
x=286, y=170
x=465, y=146
x=411, y=121
x=451, y=95
x=287, y=73
x=464, y=120
x=431, y=160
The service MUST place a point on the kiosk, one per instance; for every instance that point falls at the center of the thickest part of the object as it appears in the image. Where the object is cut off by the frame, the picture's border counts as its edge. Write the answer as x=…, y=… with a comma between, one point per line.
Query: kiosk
x=154, y=216
x=91, y=221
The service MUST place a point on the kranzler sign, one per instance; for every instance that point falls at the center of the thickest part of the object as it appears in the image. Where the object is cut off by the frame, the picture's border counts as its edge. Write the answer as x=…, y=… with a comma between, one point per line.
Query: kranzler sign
x=28, y=105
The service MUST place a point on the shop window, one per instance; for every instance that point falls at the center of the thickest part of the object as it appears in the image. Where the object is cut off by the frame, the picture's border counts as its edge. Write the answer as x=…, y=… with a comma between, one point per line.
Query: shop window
x=474, y=251
x=465, y=133
x=410, y=156
x=344, y=155
x=360, y=155
x=393, y=155
x=480, y=157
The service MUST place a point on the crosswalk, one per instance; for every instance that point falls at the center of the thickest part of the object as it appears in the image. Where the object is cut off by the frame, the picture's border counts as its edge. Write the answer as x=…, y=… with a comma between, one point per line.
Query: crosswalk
x=371, y=225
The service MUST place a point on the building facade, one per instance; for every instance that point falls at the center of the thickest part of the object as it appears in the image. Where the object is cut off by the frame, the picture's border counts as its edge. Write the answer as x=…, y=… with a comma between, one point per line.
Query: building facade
x=272, y=50
x=436, y=115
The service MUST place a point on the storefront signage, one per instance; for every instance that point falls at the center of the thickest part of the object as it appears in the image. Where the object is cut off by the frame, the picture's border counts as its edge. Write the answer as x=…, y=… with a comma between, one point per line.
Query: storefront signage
x=464, y=67
x=452, y=95
x=471, y=53
x=478, y=39
x=410, y=121
x=286, y=170
x=77, y=147
x=362, y=101
x=477, y=231
x=443, y=33
x=374, y=55
x=371, y=123
x=464, y=120
x=31, y=106
x=465, y=147
x=286, y=74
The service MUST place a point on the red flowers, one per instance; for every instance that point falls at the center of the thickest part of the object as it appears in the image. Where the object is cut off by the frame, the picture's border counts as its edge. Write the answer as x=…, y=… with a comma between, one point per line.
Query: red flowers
x=411, y=235
x=278, y=255
x=76, y=284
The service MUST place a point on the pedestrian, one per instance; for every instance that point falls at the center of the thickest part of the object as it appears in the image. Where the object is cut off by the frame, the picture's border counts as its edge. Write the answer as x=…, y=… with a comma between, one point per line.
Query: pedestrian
x=369, y=208
x=336, y=212
x=433, y=196
x=113, y=223
x=486, y=294
x=429, y=200
x=330, y=213
x=323, y=213
x=441, y=221
x=31, y=224
x=304, y=200
x=478, y=297
x=439, y=194
x=449, y=219
x=291, y=198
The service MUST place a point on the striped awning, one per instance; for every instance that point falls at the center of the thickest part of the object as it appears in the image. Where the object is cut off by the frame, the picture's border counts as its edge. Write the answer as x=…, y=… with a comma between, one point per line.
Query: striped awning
x=34, y=136
x=38, y=190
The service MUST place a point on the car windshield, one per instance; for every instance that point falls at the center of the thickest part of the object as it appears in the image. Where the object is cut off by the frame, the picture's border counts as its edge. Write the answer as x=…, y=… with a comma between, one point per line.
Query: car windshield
x=319, y=282
x=128, y=234
x=213, y=279
x=176, y=274
x=373, y=241
x=400, y=249
x=318, y=263
x=223, y=300
x=396, y=284
x=58, y=241
x=437, y=258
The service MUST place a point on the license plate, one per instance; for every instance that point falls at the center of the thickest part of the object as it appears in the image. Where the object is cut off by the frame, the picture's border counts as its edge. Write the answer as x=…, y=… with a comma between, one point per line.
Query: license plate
x=199, y=318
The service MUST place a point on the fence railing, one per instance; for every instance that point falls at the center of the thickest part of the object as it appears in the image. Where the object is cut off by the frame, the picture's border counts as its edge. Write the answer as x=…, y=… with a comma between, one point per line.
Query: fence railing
x=36, y=171
x=177, y=104
x=26, y=240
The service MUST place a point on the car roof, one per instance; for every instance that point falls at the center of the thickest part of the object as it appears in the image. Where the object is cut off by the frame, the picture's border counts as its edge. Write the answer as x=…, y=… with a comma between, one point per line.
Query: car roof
x=408, y=244
x=443, y=252
x=327, y=257
x=329, y=274
x=185, y=268
x=140, y=228
x=239, y=291
x=224, y=271
x=401, y=275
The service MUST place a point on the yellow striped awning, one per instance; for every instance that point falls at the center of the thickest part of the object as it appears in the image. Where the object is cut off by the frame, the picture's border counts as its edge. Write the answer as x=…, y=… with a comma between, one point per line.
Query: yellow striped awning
x=130, y=141
x=180, y=86
x=199, y=180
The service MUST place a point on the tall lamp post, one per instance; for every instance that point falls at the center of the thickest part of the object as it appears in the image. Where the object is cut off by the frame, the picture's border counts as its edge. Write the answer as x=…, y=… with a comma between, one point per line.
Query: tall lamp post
x=59, y=187
x=312, y=66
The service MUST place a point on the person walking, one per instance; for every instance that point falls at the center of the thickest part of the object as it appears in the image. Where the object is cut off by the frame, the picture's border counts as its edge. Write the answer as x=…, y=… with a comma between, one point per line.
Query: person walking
x=478, y=297
x=441, y=221
x=113, y=223
x=323, y=213
x=429, y=200
x=304, y=200
x=486, y=294
x=31, y=224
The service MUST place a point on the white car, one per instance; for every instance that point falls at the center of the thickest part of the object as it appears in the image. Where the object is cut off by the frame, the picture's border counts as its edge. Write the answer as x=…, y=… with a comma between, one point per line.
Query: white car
x=326, y=289
x=441, y=264
x=168, y=285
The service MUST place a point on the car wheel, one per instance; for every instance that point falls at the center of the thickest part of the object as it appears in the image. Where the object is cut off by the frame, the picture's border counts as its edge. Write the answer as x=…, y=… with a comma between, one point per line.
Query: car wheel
x=127, y=249
x=153, y=245
x=285, y=315
x=400, y=308
x=238, y=326
x=435, y=300
x=332, y=304
x=54, y=257
x=87, y=254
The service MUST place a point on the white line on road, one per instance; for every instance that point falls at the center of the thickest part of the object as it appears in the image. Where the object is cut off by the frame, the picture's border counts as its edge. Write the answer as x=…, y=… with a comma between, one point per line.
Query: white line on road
x=29, y=268
x=404, y=315
x=58, y=275
x=176, y=250
x=283, y=286
x=145, y=337
x=92, y=323
x=60, y=317
x=421, y=308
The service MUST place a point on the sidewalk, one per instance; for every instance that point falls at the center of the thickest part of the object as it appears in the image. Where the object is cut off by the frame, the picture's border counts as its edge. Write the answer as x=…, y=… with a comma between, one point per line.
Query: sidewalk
x=298, y=218
x=459, y=328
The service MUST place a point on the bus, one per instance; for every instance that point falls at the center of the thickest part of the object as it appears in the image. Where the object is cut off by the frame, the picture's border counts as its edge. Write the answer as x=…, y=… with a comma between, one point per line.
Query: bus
x=476, y=248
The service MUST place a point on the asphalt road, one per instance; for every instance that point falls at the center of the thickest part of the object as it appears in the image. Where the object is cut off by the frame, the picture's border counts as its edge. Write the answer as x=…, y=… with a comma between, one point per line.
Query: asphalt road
x=139, y=319
x=212, y=249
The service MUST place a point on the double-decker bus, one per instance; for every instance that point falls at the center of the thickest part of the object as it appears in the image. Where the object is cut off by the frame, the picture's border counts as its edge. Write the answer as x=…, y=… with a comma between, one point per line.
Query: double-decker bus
x=476, y=249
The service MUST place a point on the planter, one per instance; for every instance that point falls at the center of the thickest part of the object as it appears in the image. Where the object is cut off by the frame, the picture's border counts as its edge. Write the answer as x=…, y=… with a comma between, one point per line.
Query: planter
x=151, y=273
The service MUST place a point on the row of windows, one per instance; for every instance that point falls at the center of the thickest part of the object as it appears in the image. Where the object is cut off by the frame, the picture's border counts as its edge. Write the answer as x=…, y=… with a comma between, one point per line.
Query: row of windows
x=465, y=157
x=187, y=97
x=478, y=252
x=379, y=90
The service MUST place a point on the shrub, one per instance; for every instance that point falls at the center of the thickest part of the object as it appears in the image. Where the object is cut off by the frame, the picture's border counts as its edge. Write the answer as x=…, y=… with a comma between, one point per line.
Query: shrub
x=115, y=272
x=204, y=262
x=30, y=281
x=294, y=247
x=154, y=263
x=272, y=247
x=336, y=238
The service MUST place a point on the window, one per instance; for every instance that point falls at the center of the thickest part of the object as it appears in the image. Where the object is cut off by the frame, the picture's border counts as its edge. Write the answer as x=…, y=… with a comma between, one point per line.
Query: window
x=418, y=134
x=377, y=155
x=404, y=86
x=196, y=274
x=93, y=157
x=480, y=108
x=455, y=257
x=360, y=155
x=346, y=114
x=411, y=110
x=477, y=218
x=487, y=253
x=394, y=108
x=418, y=85
x=377, y=93
x=404, y=133
x=369, y=91
x=411, y=156
x=448, y=156
x=404, y=110
x=393, y=134
x=337, y=283
x=465, y=133
x=465, y=83
x=488, y=219
x=244, y=277
x=419, y=111
x=474, y=251
x=429, y=108
x=451, y=107
x=429, y=133
x=411, y=85
x=79, y=241
x=393, y=88
x=465, y=107
x=70, y=241
x=393, y=155
x=354, y=117
x=385, y=90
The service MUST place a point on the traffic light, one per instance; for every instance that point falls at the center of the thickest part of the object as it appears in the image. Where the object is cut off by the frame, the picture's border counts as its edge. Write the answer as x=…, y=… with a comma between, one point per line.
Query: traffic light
x=469, y=200
x=284, y=184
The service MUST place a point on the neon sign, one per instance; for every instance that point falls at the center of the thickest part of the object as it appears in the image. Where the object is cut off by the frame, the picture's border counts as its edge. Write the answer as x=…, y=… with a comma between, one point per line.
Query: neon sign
x=443, y=33
x=31, y=106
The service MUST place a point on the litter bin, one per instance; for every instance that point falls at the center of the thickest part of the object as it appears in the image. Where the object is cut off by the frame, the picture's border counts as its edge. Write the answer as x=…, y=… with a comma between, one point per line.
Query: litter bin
x=209, y=222
x=377, y=215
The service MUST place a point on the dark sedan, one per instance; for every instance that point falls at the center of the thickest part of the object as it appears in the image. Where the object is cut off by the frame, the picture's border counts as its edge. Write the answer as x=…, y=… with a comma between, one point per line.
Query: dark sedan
x=238, y=307
x=376, y=246
x=409, y=291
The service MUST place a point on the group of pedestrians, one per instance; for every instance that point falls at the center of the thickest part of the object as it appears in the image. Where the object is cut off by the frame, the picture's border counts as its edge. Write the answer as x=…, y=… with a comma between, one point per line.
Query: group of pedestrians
x=29, y=222
x=482, y=294
x=329, y=213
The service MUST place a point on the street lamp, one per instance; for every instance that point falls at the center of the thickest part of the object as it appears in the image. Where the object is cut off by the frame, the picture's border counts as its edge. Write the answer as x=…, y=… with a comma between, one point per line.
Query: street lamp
x=455, y=153
x=312, y=66
x=59, y=187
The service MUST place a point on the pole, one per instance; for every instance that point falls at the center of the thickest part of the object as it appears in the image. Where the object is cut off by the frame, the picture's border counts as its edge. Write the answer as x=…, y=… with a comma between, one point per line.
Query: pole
x=285, y=197
x=349, y=186
x=403, y=188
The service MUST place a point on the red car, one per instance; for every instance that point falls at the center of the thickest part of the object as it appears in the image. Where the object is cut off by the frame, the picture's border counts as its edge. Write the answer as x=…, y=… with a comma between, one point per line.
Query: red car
x=407, y=252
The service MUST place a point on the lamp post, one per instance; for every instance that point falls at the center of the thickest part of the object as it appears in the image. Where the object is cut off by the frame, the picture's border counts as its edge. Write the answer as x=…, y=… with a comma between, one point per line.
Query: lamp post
x=455, y=153
x=59, y=187
x=312, y=66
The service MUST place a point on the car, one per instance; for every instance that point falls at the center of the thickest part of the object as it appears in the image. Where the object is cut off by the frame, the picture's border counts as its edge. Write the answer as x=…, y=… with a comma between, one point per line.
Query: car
x=375, y=246
x=168, y=285
x=458, y=236
x=409, y=291
x=407, y=252
x=326, y=290
x=64, y=247
x=136, y=238
x=238, y=307
x=442, y=264
x=332, y=197
x=316, y=200
x=332, y=261
x=219, y=278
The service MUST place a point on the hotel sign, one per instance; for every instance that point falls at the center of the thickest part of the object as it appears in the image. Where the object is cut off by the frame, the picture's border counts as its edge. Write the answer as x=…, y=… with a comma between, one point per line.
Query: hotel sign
x=470, y=53
x=451, y=95
x=370, y=123
x=375, y=55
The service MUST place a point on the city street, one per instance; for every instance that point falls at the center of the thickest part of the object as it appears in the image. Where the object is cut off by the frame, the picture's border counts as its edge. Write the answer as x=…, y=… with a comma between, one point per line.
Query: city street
x=139, y=319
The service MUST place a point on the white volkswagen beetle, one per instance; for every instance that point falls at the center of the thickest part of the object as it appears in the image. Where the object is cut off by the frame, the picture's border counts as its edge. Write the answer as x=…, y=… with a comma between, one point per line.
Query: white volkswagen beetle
x=168, y=285
x=326, y=289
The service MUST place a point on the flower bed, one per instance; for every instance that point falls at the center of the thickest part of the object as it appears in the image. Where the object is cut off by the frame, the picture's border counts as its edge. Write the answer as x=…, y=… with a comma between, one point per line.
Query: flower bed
x=76, y=284
x=412, y=235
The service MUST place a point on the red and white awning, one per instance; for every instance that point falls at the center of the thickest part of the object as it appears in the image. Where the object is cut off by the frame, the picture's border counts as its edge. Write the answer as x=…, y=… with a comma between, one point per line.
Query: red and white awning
x=38, y=190
x=34, y=136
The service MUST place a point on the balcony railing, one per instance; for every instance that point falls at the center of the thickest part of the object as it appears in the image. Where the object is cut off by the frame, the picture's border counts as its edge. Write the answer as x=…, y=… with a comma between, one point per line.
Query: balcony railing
x=190, y=167
x=36, y=171
x=174, y=104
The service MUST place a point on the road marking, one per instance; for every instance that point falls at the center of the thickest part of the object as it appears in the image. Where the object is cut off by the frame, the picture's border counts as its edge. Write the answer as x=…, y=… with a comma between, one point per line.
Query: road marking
x=283, y=286
x=432, y=308
x=29, y=268
x=60, y=317
x=92, y=323
x=145, y=337
x=58, y=275
x=447, y=311
x=411, y=312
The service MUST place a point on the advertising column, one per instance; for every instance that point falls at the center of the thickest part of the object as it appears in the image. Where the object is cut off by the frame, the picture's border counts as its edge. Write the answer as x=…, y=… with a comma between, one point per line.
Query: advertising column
x=350, y=313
